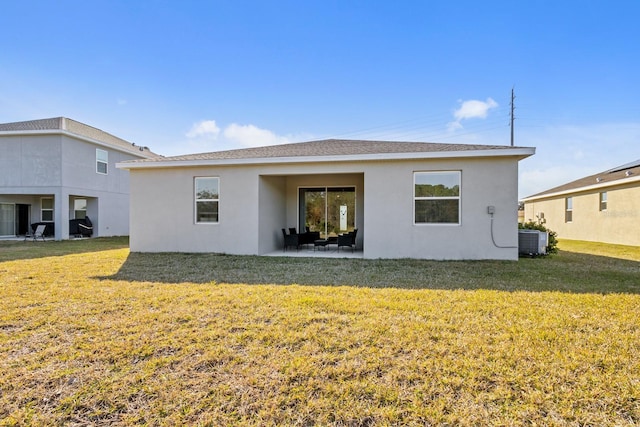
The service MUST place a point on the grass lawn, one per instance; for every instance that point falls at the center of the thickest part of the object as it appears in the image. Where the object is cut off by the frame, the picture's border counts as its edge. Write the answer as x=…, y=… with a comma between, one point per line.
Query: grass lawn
x=91, y=334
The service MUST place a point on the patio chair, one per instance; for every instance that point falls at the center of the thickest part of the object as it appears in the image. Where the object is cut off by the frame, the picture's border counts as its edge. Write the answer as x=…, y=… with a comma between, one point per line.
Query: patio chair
x=308, y=237
x=290, y=239
x=348, y=239
x=37, y=233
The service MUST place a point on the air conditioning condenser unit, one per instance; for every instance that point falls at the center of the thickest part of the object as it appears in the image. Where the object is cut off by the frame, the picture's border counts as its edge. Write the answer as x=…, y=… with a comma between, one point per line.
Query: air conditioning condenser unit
x=532, y=242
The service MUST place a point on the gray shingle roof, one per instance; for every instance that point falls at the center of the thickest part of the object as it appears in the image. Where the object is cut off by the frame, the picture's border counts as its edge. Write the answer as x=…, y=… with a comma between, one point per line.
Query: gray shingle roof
x=608, y=177
x=329, y=147
x=77, y=128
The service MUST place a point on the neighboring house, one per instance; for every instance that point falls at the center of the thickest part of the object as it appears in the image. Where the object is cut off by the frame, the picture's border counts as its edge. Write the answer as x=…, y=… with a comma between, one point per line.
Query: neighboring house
x=604, y=207
x=57, y=169
x=407, y=199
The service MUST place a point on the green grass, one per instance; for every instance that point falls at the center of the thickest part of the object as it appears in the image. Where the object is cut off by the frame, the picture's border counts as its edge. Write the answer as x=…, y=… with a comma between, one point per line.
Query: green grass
x=92, y=334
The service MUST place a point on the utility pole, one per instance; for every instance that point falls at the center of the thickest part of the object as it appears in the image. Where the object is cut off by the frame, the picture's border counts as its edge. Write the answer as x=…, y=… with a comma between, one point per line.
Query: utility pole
x=513, y=107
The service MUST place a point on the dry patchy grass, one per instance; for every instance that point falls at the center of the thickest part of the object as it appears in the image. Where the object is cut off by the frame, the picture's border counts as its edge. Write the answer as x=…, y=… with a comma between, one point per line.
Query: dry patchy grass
x=106, y=337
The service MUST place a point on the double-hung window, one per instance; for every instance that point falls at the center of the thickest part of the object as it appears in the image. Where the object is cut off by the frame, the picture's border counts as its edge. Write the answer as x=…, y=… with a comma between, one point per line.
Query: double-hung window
x=437, y=197
x=603, y=201
x=102, y=160
x=207, y=198
x=568, y=212
x=46, y=209
x=79, y=208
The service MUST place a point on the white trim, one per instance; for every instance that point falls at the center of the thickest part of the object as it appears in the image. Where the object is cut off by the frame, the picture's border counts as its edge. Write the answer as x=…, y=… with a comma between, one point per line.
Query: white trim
x=604, y=184
x=53, y=209
x=13, y=219
x=497, y=152
x=196, y=200
x=73, y=210
x=99, y=161
x=458, y=198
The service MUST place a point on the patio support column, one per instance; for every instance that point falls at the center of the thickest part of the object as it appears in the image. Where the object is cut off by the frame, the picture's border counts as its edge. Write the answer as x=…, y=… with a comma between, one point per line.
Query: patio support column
x=61, y=215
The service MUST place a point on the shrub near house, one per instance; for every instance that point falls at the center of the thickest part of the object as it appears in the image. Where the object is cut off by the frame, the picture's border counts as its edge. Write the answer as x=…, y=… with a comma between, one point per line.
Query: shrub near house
x=552, y=244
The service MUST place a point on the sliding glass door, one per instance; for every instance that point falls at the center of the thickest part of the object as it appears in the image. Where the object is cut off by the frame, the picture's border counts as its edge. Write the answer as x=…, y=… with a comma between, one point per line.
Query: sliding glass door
x=329, y=210
x=7, y=219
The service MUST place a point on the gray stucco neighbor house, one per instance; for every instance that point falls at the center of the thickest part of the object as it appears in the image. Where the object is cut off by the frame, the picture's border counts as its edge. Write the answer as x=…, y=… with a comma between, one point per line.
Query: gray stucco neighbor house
x=406, y=199
x=57, y=169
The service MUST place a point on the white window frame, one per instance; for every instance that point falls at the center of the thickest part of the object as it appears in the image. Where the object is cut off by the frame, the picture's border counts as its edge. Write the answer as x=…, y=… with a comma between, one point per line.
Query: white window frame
x=416, y=198
x=43, y=210
x=197, y=200
x=102, y=158
x=8, y=218
x=76, y=210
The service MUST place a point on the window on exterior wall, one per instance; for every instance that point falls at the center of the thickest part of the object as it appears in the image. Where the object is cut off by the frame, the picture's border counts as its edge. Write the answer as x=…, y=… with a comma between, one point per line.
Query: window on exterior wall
x=7, y=219
x=603, y=201
x=102, y=160
x=568, y=213
x=80, y=208
x=207, y=198
x=46, y=209
x=437, y=197
x=328, y=210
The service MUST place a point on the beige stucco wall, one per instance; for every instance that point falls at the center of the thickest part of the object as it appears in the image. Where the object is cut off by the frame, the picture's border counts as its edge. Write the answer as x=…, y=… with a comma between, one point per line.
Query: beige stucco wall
x=618, y=224
x=256, y=201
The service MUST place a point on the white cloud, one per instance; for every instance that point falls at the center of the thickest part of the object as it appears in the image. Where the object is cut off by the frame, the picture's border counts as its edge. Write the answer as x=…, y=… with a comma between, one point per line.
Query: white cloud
x=252, y=136
x=206, y=136
x=474, y=109
x=206, y=129
x=471, y=109
x=122, y=101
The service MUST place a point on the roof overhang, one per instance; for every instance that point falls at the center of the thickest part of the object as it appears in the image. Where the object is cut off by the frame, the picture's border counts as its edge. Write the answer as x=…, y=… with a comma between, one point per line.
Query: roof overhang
x=519, y=152
x=599, y=186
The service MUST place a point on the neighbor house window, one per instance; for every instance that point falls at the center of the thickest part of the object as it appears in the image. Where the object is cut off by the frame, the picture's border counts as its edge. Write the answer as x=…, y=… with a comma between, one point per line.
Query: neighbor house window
x=568, y=213
x=603, y=201
x=79, y=208
x=437, y=197
x=207, y=197
x=46, y=209
x=102, y=160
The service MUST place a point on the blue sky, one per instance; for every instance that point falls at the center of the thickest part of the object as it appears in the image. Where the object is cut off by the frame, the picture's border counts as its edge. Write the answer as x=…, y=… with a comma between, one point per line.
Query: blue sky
x=195, y=76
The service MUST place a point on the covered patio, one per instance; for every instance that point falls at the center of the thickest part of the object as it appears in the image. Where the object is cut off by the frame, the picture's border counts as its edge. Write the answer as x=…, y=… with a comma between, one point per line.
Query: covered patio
x=324, y=204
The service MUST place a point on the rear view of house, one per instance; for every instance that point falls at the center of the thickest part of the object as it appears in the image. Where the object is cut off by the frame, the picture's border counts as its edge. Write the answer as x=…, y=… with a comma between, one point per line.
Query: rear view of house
x=604, y=207
x=56, y=170
x=406, y=199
